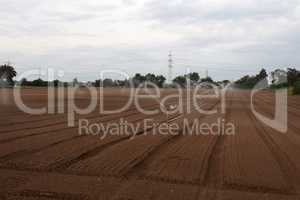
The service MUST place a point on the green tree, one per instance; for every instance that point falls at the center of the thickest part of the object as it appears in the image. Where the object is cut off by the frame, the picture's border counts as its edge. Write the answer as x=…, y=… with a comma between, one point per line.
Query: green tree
x=97, y=83
x=75, y=82
x=293, y=75
x=279, y=76
x=157, y=80
x=150, y=78
x=160, y=80
x=296, y=89
x=39, y=83
x=7, y=73
x=194, y=77
x=138, y=79
x=108, y=82
x=262, y=75
x=56, y=83
x=225, y=82
x=250, y=81
x=207, y=80
x=24, y=82
x=180, y=80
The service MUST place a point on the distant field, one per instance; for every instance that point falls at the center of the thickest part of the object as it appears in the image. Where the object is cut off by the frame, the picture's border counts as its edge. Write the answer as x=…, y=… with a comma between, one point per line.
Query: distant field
x=42, y=158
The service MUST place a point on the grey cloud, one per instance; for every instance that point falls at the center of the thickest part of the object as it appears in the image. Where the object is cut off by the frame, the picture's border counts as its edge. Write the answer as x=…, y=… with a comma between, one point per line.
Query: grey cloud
x=190, y=11
x=42, y=18
x=229, y=40
x=91, y=60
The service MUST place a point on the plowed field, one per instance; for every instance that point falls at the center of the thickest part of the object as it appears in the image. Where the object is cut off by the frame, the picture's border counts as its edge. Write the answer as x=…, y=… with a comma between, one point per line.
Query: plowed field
x=41, y=157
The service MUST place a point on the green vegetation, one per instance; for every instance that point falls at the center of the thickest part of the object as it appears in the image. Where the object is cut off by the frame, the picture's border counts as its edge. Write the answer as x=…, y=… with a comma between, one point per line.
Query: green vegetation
x=152, y=78
x=194, y=78
x=7, y=73
x=180, y=80
x=137, y=80
x=289, y=78
x=286, y=79
x=248, y=82
x=296, y=88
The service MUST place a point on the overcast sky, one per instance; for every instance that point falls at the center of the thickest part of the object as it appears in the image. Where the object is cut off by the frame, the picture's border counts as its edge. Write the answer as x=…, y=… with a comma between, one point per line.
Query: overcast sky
x=228, y=38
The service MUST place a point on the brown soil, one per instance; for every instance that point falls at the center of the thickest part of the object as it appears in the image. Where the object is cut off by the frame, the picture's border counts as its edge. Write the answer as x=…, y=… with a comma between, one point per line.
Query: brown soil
x=42, y=158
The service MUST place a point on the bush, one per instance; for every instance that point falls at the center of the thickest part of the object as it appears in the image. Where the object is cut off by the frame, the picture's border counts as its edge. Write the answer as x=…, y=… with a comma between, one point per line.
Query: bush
x=279, y=86
x=296, y=89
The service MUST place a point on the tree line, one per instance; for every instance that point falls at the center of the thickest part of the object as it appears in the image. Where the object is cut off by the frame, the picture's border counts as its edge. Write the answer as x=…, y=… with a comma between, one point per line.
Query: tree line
x=279, y=78
x=250, y=81
x=7, y=73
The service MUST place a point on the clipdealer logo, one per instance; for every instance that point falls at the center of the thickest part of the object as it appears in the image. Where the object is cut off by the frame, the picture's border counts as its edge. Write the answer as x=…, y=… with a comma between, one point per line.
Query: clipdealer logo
x=57, y=97
x=280, y=120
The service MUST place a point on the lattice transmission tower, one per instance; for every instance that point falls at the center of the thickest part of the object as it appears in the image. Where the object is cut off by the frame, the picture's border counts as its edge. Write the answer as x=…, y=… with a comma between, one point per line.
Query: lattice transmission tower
x=170, y=67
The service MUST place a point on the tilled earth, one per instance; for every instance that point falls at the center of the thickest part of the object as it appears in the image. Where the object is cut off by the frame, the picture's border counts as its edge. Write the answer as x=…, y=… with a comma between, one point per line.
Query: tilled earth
x=41, y=157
